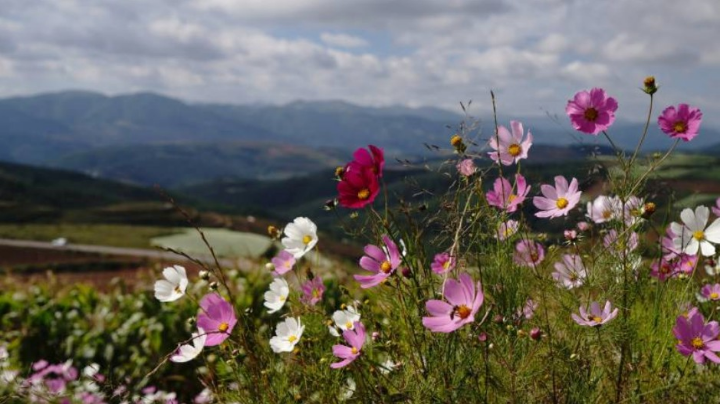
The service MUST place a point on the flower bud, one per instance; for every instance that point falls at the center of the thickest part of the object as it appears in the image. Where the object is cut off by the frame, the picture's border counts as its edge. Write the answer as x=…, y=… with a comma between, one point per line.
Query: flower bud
x=583, y=226
x=649, y=85
x=536, y=334
x=339, y=172
x=213, y=286
x=457, y=142
x=204, y=275
x=191, y=321
x=405, y=271
x=521, y=333
x=375, y=335
x=570, y=235
x=649, y=209
x=498, y=319
x=273, y=231
x=483, y=337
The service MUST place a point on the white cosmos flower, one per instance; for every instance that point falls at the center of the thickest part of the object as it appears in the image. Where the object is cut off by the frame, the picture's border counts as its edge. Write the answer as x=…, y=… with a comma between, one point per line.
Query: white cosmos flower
x=692, y=235
x=189, y=352
x=348, y=390
x=277, y=295
x=173, y=286
x=287, y=335
x=344, y=320
x=300, y=237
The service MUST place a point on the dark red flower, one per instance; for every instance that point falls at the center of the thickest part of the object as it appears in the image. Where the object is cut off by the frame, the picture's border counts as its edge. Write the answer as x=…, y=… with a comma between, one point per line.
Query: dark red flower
x=373, y=160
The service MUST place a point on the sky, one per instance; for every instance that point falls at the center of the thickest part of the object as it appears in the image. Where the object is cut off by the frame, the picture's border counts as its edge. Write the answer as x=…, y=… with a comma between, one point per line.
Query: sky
x=535, y=54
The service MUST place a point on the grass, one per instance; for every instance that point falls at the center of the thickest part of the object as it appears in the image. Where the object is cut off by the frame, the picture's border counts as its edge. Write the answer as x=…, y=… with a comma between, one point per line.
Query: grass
x=95, y=234
x=226, y=243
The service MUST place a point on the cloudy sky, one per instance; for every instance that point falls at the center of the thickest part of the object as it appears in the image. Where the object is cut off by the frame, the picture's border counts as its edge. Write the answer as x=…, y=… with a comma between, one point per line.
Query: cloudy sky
x=534, y=53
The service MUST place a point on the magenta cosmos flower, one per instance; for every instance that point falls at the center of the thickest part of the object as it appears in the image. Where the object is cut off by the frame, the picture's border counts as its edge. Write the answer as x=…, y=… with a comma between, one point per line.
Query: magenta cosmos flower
x=464, y=299
x=358, y=188
x=217, y=318
x=711, y=292
x=505, y=196
x=557, y=201
x=443, y=263
x=594, y=317
x=697, y=338
x=355, y=339
x=570, y=271
x=283, y=262
x=466, y=167
x=681, y=123
x=313, y=291
x=382, y=262
x=510, y=148
x=591, y=111
x=528, y=253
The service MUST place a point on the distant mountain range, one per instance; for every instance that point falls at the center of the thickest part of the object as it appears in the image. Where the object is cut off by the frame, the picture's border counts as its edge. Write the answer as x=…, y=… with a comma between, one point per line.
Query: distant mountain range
x=150, y=139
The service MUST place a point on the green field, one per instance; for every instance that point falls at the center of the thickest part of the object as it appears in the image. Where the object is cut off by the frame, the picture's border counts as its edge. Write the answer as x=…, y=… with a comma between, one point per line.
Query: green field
x=97, y=234
x=226, y=243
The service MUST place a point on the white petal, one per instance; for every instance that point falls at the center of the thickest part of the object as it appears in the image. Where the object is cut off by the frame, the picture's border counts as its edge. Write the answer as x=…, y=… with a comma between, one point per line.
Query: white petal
x=688, y=218
x=692, y=247
x=712, y=233
x=707, y=249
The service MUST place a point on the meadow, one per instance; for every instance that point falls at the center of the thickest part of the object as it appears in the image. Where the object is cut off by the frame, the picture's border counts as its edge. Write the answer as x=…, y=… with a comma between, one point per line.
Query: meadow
x=484, y=279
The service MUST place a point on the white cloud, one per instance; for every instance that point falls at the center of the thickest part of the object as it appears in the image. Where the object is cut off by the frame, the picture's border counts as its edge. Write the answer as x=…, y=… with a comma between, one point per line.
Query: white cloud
x=343, y=40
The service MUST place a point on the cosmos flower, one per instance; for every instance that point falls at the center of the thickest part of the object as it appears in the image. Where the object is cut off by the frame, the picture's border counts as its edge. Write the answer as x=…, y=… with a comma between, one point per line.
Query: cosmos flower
x=344, y=320
x=217, y=318
x=313, y=291
x=681, y=123
x=716, y=208
x=570, y=272
x=603, y=209
x=620, y=246
x=464, y=299
x=505, y=196
x=510, y=148
x=507, y=229
x=591, y=111
x=697, y=338
x=594, y=317
x=382, y=262
x=443, y=263
x=358, y=188
x=187, y=352
x=557, y=201
x=711, y=292
x=374, y=160
x=283, y=262
x=355, y=339
x=300, y=237
x=466, y=167
x=173, y=286
x=528, y=253
x=287, y=335
x=692, y=235
x=276, y=297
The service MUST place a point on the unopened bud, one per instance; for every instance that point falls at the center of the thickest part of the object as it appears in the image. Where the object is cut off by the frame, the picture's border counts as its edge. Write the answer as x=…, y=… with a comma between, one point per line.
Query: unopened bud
x=457, y=142
x=213, y=286
x=482, y=337
x=498, y=319
x=583, y=226
x=649, y=209
x=273, y=231
x=649, y=85
x=191, y=321
x=204, y=275
x=521, y=333
x=536, y=334
x=339, y=172
x=405, y=271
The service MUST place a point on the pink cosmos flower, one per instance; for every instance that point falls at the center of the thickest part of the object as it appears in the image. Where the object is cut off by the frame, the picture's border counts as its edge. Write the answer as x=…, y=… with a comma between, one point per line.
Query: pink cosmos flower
x=716, y=208
x=528, y=310
x=583, y=226
x=603, y=209
x=217, y=318
x=595, y=317
x=505, y=196
x=510, y=148
x=381, y=262
x=663, y=269
x=358, y=188
x=528, y=253
x=283, y=262
x=507, y=229
x=570, y=272
x=355, y=339
x=557, y=201
x=681, y=123
x=711, y=292
x=313, y=291
x=443, y=263
x=464, y=299
x=466, y=167
x=618, y=247
x=591, y=111
x=697, y=338
x=374, y=160
x=687, y=310
x=570, y=235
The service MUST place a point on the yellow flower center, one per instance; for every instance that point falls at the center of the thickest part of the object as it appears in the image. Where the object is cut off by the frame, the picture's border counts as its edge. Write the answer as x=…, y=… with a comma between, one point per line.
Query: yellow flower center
x=714, y=295
x=462, y=311
x=680, y=127
x=363, y=194
x=307, y=239
x=177, y=289
x=514, y=149
x=455, y=140
x=354, y=351
x=316, y=293
x=591, y=114
x=292, y=338
x=281, y=298
x=573, y=276
x=699, y=235
x=446, y=264
x=607, y=214
x=534, y=256
x=597, y=319
x=697, y=343
x=223, y=327
x=512, y=197
x=561, y=203
x=349, y=325
x=385, y=267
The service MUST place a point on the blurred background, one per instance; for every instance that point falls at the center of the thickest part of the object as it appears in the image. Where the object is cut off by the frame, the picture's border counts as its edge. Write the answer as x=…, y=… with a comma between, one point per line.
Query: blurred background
x=239, y=111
